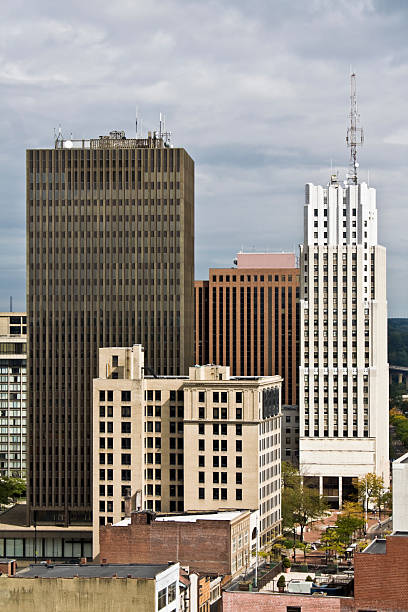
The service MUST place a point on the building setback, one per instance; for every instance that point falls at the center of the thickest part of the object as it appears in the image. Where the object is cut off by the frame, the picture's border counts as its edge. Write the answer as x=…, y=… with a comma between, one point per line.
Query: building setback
x=110, y=260
x=202, y=443
x=247, y=317
x=13, y=407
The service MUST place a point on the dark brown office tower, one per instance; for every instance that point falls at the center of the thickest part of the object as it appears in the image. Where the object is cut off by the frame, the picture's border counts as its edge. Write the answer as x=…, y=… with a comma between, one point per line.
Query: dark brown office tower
x=248, y=318
x=110, y=262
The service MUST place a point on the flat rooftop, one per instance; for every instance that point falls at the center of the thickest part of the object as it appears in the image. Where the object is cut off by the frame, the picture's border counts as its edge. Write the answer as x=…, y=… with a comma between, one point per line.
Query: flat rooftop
x=191, y=518
x=133, y=570
x=377, y=547
x=15, y=518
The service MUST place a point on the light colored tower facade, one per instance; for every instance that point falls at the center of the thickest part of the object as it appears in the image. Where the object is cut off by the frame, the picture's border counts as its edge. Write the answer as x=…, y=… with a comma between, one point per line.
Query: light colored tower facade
x=343, y=377
x=13, y=372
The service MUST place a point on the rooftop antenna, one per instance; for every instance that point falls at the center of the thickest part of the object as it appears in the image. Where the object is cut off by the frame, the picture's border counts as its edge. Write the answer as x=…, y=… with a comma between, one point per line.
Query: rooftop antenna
x=355, y=135
x=160, y=125
x=11, y=303
x=137, y=112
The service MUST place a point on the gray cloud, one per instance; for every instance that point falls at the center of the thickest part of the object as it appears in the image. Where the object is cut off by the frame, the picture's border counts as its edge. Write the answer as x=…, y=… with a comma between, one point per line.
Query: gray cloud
x=256, y=92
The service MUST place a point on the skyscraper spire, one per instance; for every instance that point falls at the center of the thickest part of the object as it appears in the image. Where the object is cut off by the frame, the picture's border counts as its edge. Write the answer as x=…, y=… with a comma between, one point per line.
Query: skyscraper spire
x=355, y=135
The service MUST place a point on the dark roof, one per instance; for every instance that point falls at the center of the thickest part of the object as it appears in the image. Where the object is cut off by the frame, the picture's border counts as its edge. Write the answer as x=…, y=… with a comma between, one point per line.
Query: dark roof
x=377, y=547
x=91, y=571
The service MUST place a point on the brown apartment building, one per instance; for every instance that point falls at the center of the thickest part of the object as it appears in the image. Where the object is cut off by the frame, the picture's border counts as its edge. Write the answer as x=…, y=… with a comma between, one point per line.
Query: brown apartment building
x=246, y=317
x=110, y=262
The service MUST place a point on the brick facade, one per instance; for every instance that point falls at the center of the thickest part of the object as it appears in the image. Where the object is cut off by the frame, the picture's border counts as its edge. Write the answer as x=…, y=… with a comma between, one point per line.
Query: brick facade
x=205, y=546
x=8, y=567
x=381, y=580
x=237, y=601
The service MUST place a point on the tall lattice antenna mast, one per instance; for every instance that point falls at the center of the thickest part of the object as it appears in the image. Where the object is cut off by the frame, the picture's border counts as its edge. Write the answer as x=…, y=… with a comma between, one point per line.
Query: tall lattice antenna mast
x=355, y=135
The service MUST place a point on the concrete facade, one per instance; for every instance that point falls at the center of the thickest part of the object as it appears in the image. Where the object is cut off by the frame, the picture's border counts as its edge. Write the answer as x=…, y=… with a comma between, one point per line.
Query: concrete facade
x=144, y=428
x=290, y=434
x=110, y=261
x=13, y=394
x=400, y=494
x=343, y=375
x=112, y=591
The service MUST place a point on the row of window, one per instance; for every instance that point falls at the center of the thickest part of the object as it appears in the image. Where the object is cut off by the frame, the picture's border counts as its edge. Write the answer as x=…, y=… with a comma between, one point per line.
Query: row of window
x=254, y=278
x=220, y=445
x=218, y=493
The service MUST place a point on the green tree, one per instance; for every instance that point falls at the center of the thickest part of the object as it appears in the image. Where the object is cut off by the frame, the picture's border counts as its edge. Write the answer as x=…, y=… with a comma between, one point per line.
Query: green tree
x=300, y=505
x=331, y=542
x=11, y=488
x=370, y=488
x=350, y=520
x=290, y=475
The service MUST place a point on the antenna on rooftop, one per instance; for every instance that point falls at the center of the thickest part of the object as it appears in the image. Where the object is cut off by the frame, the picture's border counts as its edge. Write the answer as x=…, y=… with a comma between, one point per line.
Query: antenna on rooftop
x=137, y=112
x=355, y=135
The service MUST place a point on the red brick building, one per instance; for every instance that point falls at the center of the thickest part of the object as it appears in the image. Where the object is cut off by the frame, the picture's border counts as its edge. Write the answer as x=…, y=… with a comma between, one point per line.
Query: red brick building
x=205, y=545
x=381, y=575
x=247, y=318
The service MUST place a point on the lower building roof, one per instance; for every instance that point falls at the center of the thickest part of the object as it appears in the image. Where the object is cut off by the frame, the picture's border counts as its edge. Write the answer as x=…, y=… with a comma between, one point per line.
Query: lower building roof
x=119, y=570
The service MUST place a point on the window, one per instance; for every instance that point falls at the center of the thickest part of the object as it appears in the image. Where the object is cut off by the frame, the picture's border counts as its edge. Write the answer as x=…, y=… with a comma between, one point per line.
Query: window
x=125, y=396
x=201, y=412
x=126, y=427
x=216, y=430
x=238, y=478
x=238, y=430
x=161, y=599
x=238, y=494
x=238, y=462
x=238, y=413
x=101, y=396
x=171, y=593
x=224, y=397
x=216, y=445
x=126, y=459
x=216, y=397
x=201, y=460
x=201, y=445
x=200, y=428
x=201, y=397
x=293, y=609
x=201, y=494
x=126, y=443
x=125, y=412
x=216, y=413
x=238, y=446
x=126, y=475
x=216, y=494
x=201, y=476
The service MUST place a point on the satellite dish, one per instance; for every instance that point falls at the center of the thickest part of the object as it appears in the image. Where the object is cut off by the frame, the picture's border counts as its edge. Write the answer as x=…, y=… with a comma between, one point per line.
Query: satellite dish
x=68, y=144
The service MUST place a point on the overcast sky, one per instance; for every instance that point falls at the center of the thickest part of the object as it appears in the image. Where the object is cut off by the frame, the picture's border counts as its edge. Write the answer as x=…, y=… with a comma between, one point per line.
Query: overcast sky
x=256, y=91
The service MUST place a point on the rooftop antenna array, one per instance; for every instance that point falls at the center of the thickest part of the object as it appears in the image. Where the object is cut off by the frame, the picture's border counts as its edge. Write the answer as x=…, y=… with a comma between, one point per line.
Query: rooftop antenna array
x=355, y=135
x=165, y=136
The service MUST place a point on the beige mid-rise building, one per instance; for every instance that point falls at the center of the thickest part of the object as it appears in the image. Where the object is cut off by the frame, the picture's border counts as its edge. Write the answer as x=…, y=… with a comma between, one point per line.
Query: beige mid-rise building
x=205, y=442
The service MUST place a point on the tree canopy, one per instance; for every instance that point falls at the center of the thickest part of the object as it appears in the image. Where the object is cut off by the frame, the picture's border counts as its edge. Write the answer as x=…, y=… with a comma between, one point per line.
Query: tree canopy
x=300, y=504
x=11, y=489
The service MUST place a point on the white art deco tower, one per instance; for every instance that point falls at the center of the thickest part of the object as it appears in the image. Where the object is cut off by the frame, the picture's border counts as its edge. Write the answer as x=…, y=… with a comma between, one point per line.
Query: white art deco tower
x=343, y=377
